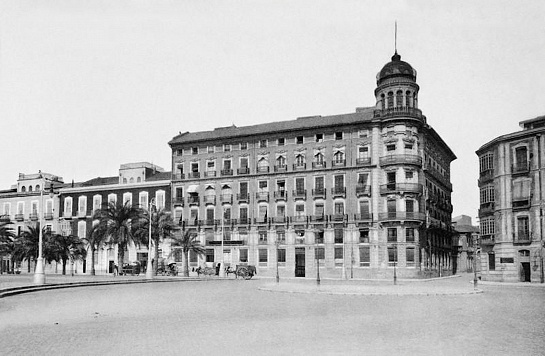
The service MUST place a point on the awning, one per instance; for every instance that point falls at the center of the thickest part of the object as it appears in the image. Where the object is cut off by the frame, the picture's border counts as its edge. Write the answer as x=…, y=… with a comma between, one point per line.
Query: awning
x=192, y=188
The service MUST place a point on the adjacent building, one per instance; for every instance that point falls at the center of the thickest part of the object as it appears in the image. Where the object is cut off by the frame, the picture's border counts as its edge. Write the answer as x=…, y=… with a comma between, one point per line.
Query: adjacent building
x=511, y=204
x=466, y=251
x=359, y=195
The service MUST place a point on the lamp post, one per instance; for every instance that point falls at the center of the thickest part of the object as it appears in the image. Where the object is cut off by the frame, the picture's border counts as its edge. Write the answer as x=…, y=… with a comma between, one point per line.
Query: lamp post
x=277, y=243
x=149, y=267
x=222, y=262
x=395, y=263
x=318, y=266
x=39, y=275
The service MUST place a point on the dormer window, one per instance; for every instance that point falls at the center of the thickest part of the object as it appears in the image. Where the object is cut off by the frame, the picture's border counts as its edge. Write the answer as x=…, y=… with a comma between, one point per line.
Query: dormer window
x=262, y=143
x=320, y=137
x=338, y=135
x=391, y=147
x=195, y=150
x=281, y=142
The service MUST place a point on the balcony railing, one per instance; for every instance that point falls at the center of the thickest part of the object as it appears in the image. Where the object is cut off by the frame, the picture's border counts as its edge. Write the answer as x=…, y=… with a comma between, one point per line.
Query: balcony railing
x=402, y=216
x=521, y=203
x=209, y=199
x=280, y=195
x=262, y=196
x=339, y=163
x=210, y=173
x=243, y=197
x=191, y=175
x=279, y=220
x=401, y=187
x=338, y=217
x=33, y=216
x=485, y=176
x=522, y=237
x=193, y=200
x=319, y=193
x=318, y=165
x=363, y=217
x=261, y=220
x=363, y=161
x=226, y=198
x=317, y=218
x=487, y=240
x=210, y=222
x=338, y=192
x=244, y=221
x=400, y=111
x=67, y=214
x=487, y=209
x=281, y=168
x=263, y=169
x=178, y=201
x=243, y=170
x=178, y=176
x=299, y=167
x=400, y=159
x=19, y=217
x=226, y=172
x=363, y=190
x=299, y=194
x=299, y=219
x=520, y=168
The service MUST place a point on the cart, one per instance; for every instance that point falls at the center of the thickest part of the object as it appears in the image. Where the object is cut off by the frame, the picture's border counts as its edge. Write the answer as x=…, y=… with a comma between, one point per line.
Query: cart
x=246, y=272
x=132, y=269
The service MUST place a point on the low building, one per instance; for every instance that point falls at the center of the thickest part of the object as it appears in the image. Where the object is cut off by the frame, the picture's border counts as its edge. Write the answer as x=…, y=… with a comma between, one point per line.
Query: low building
x=511, y=204
x=465, y=249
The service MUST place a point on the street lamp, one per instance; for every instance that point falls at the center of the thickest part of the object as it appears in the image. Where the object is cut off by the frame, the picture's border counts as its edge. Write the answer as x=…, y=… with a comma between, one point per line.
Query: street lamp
x=277, y=243
x=39, y=275
x=149, y=267
x=395, y=263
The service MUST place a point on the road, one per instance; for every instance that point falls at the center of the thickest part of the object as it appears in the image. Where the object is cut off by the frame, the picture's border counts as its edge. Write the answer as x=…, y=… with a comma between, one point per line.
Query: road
x=236, y=318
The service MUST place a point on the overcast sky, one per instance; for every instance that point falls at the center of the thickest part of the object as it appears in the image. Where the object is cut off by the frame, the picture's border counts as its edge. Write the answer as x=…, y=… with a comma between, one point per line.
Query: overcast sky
x=88, y=85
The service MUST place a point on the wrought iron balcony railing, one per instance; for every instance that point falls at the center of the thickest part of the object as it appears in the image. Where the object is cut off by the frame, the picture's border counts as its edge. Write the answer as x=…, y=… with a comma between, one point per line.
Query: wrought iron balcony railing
x=390, y=188
x=400, y=159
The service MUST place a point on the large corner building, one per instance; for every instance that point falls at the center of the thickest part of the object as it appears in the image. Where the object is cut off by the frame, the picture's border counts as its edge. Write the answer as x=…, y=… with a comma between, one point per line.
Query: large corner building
x=360, y=195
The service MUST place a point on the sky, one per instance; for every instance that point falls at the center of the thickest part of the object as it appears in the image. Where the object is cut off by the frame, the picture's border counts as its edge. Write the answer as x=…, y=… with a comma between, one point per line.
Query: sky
x=86, y=86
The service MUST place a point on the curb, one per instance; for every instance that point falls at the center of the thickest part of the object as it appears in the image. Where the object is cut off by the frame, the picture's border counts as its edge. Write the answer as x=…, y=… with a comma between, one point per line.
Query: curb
x=316, y=291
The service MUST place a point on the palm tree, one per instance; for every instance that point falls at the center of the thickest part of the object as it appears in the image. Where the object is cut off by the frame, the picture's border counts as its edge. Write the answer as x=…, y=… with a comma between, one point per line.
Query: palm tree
x=27, y=245
x=7, y=237
x=186, y=241
x=63, y=248
x=121, y=222
x=97, y=236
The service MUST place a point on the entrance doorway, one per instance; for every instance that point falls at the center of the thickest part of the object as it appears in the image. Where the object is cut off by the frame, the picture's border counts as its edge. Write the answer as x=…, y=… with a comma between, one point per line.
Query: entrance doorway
x=300, y=262
x=525, y=272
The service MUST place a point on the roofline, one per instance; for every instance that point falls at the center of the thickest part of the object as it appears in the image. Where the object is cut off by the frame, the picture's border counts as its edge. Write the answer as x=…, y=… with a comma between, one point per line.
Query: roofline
x=126, y=186
x=509, y=136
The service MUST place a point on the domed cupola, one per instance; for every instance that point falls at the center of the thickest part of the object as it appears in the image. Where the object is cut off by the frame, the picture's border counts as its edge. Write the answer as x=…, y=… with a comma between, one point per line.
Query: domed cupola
x=397, y=91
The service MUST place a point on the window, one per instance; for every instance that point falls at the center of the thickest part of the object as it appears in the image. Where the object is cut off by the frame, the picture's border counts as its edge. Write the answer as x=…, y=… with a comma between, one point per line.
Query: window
x=320, y=255
x=523, y=228
x=143, y=198
x=409, y=206
x=338, y=157
x=226, y=148
x=112, y=198
x=243, y=146
x=491, y=261
x=486, y=162
x=320, y=137
x=319, y=184
x=82, y=205
x=299, y=160
x=391, y=147
x=409, y=234
x=243, y=214
x=127, y=199
x=7, y=208
x=179, y=152
x=338, y=135
x=392, y=255
x=299, y=210
x=262, y=143
x=243, y=255
x=82, y=229
x=363, y=152
x=195, y=150
x=392, y=235
x=338, y=182
x=363, y=133
x=339, y=235
x=263, y=255
x=194, y=167
x=300, y=185
x=211, y=166
x=299, y=140
x=364, y=208
x=67, y=206
x=160, y=199
x=319, y=158
x=408, y=146
x=339, y=208
x=263, y=185
x=280, y=210
x=487, y=226
x=227, y=165
x=409, y=256
x=390, y=100
x=364, y=236
x=399, y=98
x=409, y=174
x=210, y=149
x=319, y=210
x=487, y=194
x=338, y=253
x=281, y=255
x=209, y=255
x=281, y=142
x=521, y=159
x=281, y=161
x=365, y=256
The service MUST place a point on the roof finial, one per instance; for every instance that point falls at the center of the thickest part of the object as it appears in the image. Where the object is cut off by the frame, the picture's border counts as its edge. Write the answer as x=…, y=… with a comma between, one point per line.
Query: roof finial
x=395, y=37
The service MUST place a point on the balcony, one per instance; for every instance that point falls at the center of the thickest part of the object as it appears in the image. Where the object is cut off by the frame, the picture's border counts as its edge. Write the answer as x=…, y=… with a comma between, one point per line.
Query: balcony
x=279, y=220
x=226, y=198
x=67, y=214
x=178, y=201
x=191, y=222
x=226, y=172
x=402, y=216
x=209, y=199
x=338, y=218
x=209, y=174
x=82, y=214
x=521, y=203
x=338, y=192
x=280, y=195
x=210, y=222
x=261, y=220
x=522, y=168
x=193, y=200
x=299, y=167
x=486, y=176
x=522, y=238
x=363, y=190
x=363, y=161
x=243, y=171
x=488, y=240
x=299, y=194
x=178, y=176
x=243, y=197
x=339, y=163
x=365, y=217
x=400, y=159
x=192, y=175
x=318, y=164
x=281, y=168
x=33, y=216
x=19, y=217
x=262, y=169
x=321, y=219
x=438, y=175
x=319, y=193
x=4, y=218
x=262, y=196
x=244, y=221
x=486, y=209
x=400, y=111
x=391, y=188
x=299, y=219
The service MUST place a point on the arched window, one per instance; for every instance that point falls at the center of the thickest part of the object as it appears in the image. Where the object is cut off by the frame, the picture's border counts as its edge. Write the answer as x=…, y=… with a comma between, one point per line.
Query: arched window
x=37, y=187
x=29, y=188
x=408, y=99
x=138, y=180
x=319, y=158
x=383, y=102
x=131, y=180
x=23, y=189
x=281, y=161
x=399, y=99
x=390, y=100
x=339, y=157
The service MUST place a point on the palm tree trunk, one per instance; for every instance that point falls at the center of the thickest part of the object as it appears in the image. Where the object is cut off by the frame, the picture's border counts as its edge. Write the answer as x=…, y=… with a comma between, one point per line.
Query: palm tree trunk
x=185, y=260
x=120, y=258
x=63, y=267
x=156, y=259
x=92, y=260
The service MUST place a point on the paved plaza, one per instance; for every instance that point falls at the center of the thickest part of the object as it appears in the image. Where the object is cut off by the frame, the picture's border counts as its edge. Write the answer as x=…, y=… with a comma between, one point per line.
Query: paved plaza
x=256, y=317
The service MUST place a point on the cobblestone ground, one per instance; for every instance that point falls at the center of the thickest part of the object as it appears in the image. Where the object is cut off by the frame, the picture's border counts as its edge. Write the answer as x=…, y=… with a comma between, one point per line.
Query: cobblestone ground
x=235, y=318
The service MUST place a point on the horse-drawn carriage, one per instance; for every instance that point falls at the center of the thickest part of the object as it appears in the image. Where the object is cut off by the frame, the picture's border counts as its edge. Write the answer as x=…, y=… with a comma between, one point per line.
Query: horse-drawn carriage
x=246, y=272
x=243, y=271
x=132, y=268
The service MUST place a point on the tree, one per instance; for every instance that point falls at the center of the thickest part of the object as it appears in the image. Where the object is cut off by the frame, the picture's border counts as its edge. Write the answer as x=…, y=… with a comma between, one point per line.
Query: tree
x=64, y=248
x=186, y=241
x=97, y=237
x=121, y=222
x=7, y=238
x=27, y=245
x=162, y=227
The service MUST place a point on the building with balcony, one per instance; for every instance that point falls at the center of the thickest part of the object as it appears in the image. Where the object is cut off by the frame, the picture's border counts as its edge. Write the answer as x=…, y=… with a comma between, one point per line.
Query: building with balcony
x=136, y=184
x=465, y=247
x=363, y=191
x=34, y=197
x=511, y=204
